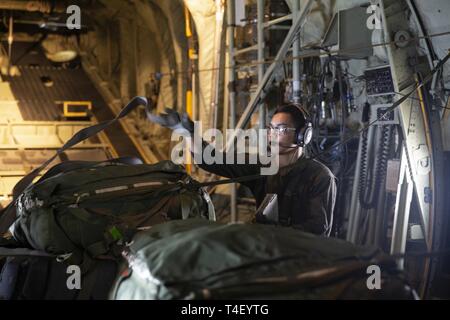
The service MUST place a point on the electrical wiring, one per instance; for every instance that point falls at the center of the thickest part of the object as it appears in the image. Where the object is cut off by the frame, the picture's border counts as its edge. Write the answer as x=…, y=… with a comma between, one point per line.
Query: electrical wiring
x=361, y=78
x=303, y=56
x=380, y=169
x=387, y=111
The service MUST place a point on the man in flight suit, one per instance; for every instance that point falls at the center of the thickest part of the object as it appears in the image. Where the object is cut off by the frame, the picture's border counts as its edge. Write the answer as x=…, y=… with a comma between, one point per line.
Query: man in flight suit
x=305, y=188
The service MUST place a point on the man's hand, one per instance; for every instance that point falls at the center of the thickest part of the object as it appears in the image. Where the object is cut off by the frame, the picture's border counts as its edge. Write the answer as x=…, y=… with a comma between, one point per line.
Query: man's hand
x=172, y=120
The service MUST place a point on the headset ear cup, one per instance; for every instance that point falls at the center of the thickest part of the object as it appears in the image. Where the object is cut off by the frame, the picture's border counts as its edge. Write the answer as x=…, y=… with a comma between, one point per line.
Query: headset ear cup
x=304, y=135
x=307, y=136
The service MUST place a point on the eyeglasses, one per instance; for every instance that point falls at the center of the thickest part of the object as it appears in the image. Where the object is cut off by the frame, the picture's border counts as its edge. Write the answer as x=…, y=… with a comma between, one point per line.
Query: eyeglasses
x=279, y=131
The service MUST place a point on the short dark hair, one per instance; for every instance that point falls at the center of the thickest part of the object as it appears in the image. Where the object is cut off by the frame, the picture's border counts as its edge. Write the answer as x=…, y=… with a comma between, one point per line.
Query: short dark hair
x=298, y=117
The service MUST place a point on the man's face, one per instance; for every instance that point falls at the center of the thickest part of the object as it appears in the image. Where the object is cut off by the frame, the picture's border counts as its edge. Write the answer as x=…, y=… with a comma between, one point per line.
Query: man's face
x=282, y=131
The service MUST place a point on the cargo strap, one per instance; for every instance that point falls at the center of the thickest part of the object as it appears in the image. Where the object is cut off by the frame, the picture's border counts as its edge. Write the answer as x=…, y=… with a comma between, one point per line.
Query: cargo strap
x=8, y=215
x=22, y=252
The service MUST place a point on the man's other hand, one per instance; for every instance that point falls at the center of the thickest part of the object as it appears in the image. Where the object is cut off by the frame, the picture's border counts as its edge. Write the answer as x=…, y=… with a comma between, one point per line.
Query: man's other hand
x=172, y=120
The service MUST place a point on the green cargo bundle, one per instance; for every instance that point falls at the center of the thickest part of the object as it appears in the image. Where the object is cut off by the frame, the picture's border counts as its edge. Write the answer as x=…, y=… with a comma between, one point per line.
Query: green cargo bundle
x=80, y=210
x=90, y=209
x=198, y=259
